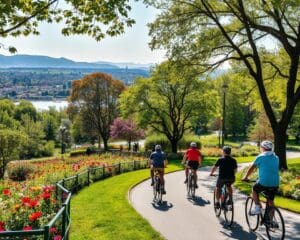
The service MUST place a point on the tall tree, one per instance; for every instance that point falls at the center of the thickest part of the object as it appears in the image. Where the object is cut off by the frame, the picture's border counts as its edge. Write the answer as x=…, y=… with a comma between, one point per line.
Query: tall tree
x=94, y=18
x=168, y=101
x=211, y=32
x=95, y=97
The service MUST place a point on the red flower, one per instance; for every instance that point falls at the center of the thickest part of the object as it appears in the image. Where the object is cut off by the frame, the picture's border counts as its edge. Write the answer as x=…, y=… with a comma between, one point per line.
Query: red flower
x=27, y=228
x=46, y=195
x=53, y=230
x=2, y=226
x=34, y=216
x=6, y=192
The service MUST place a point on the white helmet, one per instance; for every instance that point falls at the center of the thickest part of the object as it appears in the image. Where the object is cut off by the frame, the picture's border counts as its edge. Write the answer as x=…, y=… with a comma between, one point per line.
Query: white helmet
x=193, y=144
x=267, y=145
x=157, y=147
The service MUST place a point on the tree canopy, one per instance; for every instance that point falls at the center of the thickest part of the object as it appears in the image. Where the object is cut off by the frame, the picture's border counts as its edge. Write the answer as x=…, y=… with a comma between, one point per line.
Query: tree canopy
x=208, y=33
x=94, y=18
x=95, y=98
x=168, y=101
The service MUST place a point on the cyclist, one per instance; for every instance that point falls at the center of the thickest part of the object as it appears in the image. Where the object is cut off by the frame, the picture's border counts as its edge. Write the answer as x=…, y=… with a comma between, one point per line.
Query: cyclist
x=227, y=169
x=268, y=176
x=194, y=159
x=158, y=162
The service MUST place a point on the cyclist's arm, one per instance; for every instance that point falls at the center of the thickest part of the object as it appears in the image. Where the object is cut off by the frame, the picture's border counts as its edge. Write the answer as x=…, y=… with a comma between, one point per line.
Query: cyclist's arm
x=184, y=159
x=249, y=172
x=213, y=170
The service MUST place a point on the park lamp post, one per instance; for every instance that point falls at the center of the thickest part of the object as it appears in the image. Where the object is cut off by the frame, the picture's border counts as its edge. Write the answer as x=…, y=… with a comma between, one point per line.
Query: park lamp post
x=62, y=130
x=224, y=89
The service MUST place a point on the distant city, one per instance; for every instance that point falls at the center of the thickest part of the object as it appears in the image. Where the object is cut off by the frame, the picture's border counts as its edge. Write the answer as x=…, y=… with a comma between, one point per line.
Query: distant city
x=44, y=78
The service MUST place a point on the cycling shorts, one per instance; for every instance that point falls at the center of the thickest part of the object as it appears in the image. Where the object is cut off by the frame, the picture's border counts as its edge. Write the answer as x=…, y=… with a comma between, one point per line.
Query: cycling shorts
x=222, y=181
x=193, y=165
x=269, y=192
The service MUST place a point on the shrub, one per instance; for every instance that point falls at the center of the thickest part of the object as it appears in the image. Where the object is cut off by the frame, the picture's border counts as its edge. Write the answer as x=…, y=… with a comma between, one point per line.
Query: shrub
x=20, y=171
x=184, y=143
x=48, y=149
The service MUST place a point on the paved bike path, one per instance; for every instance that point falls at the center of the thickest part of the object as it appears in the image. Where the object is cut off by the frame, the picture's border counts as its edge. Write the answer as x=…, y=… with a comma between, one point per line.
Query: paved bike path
x=180, y=218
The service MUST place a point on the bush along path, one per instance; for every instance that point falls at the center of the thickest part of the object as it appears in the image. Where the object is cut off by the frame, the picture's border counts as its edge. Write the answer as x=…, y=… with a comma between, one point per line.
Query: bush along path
x=102, y=210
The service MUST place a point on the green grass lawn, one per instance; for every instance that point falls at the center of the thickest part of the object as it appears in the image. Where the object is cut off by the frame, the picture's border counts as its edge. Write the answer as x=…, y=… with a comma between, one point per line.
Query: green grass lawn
x=109, y=215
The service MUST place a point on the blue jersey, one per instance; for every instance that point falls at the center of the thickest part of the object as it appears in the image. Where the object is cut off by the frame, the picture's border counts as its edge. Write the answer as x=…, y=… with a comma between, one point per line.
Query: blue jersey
x=268, y=165
x=158, y=158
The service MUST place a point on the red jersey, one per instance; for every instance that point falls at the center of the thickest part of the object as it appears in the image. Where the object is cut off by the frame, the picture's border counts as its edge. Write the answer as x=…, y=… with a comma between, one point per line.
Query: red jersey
x=193, y=154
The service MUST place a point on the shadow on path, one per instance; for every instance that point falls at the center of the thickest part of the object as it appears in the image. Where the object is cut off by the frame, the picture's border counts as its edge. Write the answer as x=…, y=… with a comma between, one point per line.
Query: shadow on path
x=164, y=206
x=199, y=201
x=236, y=231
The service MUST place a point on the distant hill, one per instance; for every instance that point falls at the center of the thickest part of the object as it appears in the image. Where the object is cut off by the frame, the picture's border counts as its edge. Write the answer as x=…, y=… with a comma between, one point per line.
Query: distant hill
x=36, y=61
x=129, y=65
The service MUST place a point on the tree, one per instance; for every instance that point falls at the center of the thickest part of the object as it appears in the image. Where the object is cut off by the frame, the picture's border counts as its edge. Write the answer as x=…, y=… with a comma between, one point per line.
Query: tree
x=79, y=17
x=95, y=97
x=9, y=147
x=210, y=32
x=25, y=107
x=262, y=129
x=168, y=101
x=126, y=129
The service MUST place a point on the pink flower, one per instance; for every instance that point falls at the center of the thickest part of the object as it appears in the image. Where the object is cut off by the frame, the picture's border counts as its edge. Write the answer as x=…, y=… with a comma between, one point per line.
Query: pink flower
x=57, y=237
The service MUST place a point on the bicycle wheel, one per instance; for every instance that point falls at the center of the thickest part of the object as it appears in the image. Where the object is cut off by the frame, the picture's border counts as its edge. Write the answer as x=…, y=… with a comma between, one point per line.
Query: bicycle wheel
x=192, y=186
x=217, y=209
x=228, y=210
x=274, y=224
x=188, y=185
x=155, y=189
x=252, y=220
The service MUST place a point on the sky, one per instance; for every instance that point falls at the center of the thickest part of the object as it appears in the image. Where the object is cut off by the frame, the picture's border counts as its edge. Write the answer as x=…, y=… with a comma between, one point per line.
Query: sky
x=132, y=46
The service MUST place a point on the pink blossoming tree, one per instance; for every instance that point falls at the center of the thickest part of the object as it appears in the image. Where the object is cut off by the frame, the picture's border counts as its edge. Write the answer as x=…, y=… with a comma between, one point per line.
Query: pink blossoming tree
x=125, y=129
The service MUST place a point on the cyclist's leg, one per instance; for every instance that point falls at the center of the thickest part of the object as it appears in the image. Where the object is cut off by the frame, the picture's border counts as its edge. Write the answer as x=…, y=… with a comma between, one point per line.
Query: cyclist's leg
x=152, y=175
x=256, y=189
x=162, y=179
x=219, y=186
x=186, y=172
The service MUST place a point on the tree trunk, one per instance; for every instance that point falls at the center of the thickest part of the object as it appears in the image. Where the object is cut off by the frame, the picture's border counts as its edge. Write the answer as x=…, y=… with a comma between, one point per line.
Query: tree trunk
x=174, y=146
x=99, y=142
x=129, y=145
x=280, y=148
x=105, y=143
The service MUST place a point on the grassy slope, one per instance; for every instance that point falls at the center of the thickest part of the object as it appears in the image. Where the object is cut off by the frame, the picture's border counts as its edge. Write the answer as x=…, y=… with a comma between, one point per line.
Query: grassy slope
x=109, y=215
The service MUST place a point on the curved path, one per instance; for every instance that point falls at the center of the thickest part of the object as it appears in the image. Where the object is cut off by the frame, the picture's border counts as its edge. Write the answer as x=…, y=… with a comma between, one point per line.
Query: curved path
x=179, y=218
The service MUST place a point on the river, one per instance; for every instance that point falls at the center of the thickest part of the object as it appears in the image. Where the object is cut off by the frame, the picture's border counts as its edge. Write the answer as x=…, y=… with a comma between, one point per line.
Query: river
x=44, y=105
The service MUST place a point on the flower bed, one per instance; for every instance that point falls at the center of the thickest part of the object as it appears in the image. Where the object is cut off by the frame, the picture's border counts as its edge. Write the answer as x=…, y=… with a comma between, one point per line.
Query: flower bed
x=31, y=204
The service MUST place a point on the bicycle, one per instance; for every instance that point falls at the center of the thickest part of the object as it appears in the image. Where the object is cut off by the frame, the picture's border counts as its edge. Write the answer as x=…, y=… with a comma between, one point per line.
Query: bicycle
x=191, y=184
x=157, y=188
x=225, y=204
x=270, y=216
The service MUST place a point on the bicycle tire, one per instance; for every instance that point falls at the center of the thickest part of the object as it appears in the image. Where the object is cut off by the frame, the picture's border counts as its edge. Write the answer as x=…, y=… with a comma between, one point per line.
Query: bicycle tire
x=228, y=210
x=217, y=209
x=188, y=185
x=275, y=227
x=252, y=220
x=193, y=186
x=155, y=189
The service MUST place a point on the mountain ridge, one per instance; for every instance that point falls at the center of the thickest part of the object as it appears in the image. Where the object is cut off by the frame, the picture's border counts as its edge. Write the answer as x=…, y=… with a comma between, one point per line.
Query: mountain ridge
x=43, y=61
